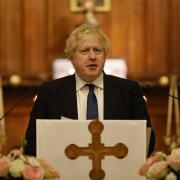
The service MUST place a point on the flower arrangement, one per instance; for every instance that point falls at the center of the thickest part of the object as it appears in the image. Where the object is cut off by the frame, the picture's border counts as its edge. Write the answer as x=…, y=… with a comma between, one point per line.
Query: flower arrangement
x=18, y=166
x=162, y=167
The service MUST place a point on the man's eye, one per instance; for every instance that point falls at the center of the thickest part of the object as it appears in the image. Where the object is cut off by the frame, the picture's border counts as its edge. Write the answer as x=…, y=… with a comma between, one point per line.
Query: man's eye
x=84, y=51
x=98, y=50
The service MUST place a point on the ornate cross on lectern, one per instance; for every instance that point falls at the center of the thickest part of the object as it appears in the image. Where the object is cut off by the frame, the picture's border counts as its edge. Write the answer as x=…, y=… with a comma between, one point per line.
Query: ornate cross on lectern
x=96, y=151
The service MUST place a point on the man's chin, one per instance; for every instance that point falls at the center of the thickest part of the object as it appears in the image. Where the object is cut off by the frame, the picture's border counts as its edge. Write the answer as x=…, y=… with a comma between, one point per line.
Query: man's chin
x=92, y=73
x=92, y=76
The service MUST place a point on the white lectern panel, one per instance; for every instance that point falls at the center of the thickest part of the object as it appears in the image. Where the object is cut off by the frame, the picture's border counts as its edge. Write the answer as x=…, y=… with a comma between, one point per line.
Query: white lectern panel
x=53, y=136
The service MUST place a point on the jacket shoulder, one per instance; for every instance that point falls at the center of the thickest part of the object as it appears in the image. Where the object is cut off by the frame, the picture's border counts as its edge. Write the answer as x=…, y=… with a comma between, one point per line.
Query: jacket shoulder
x=58, y=82
x=121, y=81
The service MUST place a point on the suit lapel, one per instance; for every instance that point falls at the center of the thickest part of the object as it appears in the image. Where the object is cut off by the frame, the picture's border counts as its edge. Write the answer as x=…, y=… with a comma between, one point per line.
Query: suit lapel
x=110, y=97
x=69, y=98
x=111, y=91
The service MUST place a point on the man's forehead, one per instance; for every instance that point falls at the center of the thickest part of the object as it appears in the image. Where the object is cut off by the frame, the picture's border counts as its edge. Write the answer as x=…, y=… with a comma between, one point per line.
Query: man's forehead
x=88, y=41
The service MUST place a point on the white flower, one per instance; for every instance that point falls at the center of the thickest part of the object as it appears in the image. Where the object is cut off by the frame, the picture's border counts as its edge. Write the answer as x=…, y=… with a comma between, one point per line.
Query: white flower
x=16, y=168
x=22, y=158
x=171, y=176
x=158, y=170
x=174, y=161
x=162, y=166
x=34, y=162
x=17, y=165
x=161, y=155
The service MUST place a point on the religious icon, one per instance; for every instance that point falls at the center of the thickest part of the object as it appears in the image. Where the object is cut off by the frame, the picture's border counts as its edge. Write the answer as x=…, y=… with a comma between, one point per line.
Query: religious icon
x=96, y=151
x=98, y=5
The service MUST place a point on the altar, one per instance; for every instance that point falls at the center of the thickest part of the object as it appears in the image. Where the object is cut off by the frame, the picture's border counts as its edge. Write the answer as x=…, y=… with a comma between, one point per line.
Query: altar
x=119, y=148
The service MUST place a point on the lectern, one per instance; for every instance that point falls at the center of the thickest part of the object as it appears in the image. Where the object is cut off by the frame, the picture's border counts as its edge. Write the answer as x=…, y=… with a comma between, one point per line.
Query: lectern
x=110, y=150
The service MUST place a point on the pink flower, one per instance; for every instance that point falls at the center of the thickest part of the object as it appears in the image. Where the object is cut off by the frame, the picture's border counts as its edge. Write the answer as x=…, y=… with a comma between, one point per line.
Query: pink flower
x=33, y=173
x=174, y=161
x=152, y=160
x=51, y=172
x=158, y=170
x=144, y=168
x=4, y=165
x=17, y=165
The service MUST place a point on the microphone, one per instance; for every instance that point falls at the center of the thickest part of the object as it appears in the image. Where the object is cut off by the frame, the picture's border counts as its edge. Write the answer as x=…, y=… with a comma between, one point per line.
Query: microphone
x=160, y=91
x=18, y=102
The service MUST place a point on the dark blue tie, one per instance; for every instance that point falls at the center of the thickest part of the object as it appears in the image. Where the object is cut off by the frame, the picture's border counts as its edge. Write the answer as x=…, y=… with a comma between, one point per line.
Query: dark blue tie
x=92, y=107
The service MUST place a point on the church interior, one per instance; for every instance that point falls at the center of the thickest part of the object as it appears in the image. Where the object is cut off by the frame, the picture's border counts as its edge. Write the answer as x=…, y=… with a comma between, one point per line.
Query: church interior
x=144, y=33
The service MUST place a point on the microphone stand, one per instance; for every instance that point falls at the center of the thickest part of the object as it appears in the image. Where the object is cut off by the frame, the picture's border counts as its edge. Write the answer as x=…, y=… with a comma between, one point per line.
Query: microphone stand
x=2, y=123
x=173, y=140
x=170, y=139
x=18, y=102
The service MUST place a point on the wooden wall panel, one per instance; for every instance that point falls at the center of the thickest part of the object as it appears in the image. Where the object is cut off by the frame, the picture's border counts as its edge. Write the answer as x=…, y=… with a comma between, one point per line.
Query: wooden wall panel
x=157, y=37
x=16, y=121
x=34, y=38
x=157, y=104
x=143, y=32
x=61, y=22
x=10, y=36
x=175, y=37
x=135, y=37
x=119, y=29
x=59, y=25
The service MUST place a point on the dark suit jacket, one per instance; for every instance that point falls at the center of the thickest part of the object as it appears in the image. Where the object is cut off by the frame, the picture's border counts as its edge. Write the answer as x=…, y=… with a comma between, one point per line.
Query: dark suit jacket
x=123, y=99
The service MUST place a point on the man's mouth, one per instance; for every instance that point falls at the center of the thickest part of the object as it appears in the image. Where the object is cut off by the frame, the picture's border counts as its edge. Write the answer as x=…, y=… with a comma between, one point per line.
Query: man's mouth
x=92, y=66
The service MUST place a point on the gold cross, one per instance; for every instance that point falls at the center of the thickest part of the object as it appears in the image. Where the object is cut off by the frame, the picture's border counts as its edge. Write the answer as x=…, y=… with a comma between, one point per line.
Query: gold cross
x=96, y=151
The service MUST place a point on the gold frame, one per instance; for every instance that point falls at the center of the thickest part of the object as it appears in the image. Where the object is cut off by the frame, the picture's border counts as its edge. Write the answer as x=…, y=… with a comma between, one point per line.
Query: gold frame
x=105, y=8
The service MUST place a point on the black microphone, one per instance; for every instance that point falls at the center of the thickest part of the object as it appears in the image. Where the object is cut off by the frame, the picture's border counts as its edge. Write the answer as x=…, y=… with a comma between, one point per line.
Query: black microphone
x=160, y=91
x=19, y=101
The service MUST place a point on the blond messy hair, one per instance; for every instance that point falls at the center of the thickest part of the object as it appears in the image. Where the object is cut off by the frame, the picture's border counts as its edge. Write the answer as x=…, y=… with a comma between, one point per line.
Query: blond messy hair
x=78, y=35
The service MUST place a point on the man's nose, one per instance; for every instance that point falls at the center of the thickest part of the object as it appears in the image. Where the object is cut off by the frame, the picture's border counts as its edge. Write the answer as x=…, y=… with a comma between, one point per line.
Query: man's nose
x=92, y=54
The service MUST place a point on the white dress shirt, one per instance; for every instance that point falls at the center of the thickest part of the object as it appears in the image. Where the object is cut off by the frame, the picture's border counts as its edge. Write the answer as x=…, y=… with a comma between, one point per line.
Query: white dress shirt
x=82, y=93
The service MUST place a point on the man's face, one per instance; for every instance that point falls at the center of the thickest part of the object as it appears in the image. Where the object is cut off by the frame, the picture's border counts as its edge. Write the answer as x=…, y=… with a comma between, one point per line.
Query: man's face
x=88, y=58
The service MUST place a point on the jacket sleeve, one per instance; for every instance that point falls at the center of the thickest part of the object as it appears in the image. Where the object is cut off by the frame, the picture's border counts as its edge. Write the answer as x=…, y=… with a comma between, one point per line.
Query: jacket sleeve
x=139, y=111
x=39, y=111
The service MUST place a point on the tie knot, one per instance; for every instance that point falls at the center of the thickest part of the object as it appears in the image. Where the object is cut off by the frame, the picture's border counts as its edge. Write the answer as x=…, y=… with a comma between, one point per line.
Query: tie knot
x=91, y=86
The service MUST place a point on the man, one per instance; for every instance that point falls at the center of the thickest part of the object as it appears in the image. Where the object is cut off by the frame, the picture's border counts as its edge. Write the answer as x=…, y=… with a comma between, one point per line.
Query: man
x=117, y=98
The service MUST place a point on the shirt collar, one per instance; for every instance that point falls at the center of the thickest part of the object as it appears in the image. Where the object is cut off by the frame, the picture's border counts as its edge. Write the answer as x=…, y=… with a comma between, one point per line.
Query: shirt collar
x=97, y=82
